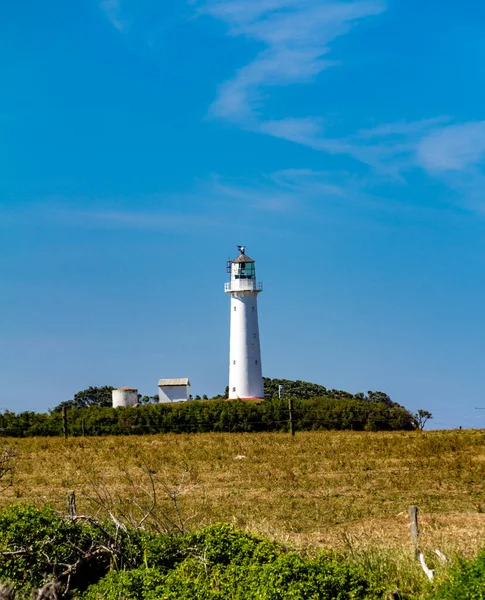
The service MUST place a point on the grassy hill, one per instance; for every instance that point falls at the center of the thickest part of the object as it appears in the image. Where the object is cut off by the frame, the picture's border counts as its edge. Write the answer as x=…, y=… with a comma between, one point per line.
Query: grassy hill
x=321, y=489
x=340, y=490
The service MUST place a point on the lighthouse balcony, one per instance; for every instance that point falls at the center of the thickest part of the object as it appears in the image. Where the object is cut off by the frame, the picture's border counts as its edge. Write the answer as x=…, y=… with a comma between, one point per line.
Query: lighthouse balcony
x=243, y=285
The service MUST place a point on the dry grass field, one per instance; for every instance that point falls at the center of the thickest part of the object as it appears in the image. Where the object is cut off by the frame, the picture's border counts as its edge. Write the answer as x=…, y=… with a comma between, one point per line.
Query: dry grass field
x=344, y=490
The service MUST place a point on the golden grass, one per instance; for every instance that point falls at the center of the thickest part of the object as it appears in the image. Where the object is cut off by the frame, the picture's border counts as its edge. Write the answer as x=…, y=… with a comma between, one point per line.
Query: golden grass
x=344, y=490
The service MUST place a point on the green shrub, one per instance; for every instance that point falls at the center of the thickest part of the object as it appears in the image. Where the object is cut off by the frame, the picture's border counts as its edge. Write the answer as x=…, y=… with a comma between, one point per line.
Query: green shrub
x=291, y=576
x=137, y=584
x=222, y=563
x=216, y=563
x=222, y=544
x=160, y=551
x=328, y=411
x=466, y=581
x=37, y=545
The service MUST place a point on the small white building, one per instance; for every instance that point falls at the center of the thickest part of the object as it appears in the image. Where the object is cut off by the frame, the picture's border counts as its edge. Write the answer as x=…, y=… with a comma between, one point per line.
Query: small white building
x=174, y=390
x=124, y=397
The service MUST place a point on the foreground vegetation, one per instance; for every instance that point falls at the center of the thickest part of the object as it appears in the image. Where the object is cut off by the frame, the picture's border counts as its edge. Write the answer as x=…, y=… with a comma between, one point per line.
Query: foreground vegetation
x=107, y=561
x=43, y=554
x=342, y=493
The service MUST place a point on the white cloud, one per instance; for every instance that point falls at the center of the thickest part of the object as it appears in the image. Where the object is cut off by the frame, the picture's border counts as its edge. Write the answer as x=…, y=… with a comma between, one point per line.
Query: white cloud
x=390, y=147
x=112, y=10
x=454, y=154
x=296, y=35
x=288, y=192
x=306, y=131
x=295, y=38
x=453, y=148
x=143, y=220
x=401, y=128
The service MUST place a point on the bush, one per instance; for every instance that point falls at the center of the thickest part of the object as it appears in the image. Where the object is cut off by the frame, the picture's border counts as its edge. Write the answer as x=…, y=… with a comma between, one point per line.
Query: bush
x=37, y=545
x=466, y=582
x=214, y=415
x=221, y=563
x=137, y=584
x=102, y=562
x=221, y=544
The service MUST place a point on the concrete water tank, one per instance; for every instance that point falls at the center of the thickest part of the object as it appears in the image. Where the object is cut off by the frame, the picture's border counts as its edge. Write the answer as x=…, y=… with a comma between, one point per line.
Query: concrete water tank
x=125, y=397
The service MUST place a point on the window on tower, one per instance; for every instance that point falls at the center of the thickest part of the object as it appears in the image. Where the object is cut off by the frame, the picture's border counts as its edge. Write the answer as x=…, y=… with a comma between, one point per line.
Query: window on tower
x=245, y=271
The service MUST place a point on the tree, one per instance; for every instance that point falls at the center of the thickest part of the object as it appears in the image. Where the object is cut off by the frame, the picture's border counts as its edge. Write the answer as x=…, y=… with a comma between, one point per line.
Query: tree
x=148, y=399
x=421, y=417
x=92, y=396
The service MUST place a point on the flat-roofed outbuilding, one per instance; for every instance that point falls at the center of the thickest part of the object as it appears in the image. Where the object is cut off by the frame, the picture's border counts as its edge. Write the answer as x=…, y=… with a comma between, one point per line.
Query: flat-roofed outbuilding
x=174, y=390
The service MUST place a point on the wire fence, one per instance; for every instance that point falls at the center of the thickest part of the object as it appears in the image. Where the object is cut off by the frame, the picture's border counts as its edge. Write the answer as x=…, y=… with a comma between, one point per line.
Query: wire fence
x=224, y=417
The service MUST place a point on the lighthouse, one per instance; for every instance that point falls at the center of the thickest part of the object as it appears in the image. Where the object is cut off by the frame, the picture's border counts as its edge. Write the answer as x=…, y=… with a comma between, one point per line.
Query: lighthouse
x=245, y=374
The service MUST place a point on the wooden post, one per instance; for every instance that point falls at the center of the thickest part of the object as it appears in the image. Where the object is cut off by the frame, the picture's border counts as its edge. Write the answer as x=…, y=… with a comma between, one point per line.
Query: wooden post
x=64, y=421
x=82, y=427
x=290, y=415
x=413, y=525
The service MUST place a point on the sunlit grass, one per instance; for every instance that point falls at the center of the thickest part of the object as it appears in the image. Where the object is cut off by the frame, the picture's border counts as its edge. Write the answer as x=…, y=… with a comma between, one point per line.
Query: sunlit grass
x=344, y=490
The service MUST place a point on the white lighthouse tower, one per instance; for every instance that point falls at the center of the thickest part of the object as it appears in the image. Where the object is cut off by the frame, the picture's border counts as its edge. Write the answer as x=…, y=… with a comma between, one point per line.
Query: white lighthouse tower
x=245, y=374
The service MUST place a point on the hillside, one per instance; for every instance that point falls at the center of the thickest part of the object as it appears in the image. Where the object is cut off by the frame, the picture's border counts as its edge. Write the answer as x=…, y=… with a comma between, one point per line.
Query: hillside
x=326, y=489
x=346, y=492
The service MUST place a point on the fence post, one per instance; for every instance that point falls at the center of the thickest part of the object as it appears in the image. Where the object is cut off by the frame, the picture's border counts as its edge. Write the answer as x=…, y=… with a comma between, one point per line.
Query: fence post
x=290, y=415
x=413, y=525
x=64, y=421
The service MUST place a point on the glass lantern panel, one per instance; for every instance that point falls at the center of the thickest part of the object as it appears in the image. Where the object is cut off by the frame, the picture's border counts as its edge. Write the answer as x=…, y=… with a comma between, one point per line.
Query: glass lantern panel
x=246, y=271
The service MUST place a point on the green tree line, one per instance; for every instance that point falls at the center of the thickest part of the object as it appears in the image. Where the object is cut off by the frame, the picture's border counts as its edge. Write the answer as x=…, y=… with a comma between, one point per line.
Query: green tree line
x=213, y=416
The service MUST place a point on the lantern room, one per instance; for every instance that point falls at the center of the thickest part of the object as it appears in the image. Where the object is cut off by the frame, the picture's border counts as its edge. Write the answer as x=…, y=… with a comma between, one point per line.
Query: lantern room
x=243, y=273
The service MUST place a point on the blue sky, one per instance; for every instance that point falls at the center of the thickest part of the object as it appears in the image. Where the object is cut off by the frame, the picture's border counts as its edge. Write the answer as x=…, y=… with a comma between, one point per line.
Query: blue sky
x=342, y=142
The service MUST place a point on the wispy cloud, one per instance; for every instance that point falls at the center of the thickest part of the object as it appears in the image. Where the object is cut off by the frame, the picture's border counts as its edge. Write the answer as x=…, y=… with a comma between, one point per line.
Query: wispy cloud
x=296, y=35
x=454, y=154
x=111, y=214
x=313, y=197
x=295, y=38
x=112, y=10
x=390, y=147
x=453, y=148
x=156, y=220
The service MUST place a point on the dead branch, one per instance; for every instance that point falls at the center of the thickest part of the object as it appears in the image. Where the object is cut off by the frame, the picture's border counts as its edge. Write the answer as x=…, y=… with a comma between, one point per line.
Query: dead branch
x=47, y=592
x=6, y=592
x=427, y=571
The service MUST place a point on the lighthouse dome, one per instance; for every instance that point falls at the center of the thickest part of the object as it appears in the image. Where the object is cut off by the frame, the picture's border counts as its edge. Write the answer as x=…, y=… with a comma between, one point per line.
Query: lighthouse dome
x=243, y=258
